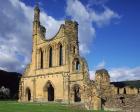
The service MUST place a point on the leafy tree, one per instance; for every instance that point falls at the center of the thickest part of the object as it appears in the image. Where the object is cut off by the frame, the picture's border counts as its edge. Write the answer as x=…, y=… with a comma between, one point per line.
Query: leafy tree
x=4, y=93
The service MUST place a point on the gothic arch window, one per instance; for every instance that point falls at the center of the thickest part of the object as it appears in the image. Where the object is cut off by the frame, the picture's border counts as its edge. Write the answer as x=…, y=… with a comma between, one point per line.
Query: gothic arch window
x=77, y=65
x=124, y=91
x=74, y=49
x=118, y=92
x=41, y=58
x=50, y=57
x=60, y=55
x=138, y=90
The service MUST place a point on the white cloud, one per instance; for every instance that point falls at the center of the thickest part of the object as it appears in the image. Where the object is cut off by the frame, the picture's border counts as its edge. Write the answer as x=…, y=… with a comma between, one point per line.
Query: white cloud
x=100, y=65
x=105, y=17
x=16, y=33
x=5, y=69
x=86, y=17
x=119, y=74
x=84, y=48
x=16, y=30
x=78, y=12
x=52, y=25
x=92, y=74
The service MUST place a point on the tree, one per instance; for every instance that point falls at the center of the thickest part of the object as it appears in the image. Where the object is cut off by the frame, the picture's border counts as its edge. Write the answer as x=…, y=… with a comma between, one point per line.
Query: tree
x=4, y=93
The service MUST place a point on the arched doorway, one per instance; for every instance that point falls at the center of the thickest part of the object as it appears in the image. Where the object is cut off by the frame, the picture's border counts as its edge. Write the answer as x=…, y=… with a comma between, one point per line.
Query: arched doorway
x=50, y=91
x=77, y=96
x=28, y=94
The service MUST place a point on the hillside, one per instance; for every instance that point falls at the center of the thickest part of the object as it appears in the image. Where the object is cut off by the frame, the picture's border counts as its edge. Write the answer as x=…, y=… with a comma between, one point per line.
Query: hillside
x=131, y=83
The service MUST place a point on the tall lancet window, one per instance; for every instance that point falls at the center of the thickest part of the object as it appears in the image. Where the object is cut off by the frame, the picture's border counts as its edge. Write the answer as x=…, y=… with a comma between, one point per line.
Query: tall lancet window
x=77, y=65
x=60, y=55
x=41, y=58
x=74, y=49
x=50, y=57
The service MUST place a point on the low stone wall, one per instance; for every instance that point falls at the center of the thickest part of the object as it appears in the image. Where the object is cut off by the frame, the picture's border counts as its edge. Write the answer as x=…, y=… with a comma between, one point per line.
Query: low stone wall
x=123, y=103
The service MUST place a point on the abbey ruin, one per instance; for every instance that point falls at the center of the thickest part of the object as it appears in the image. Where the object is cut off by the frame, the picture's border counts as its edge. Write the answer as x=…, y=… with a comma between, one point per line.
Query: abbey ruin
x=57, y=73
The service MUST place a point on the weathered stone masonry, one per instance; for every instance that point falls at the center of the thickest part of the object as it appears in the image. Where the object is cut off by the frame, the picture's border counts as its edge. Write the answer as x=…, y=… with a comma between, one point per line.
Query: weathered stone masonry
x=58, y=73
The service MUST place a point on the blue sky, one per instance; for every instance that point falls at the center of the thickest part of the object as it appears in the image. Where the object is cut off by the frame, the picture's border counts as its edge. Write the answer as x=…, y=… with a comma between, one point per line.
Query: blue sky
x=109, y=33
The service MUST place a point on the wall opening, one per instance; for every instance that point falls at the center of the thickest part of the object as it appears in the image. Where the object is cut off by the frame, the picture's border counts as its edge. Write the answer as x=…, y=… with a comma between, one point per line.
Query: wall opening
x=124, y=91
x=41, y=59
x=138, y=91
x=103, y=101
x=118, y=92
x=50, y=93
x=77, y=96
x=77, y=65
x=60, y=55
x=74, y=49
x=28, y=94
x=50, y=57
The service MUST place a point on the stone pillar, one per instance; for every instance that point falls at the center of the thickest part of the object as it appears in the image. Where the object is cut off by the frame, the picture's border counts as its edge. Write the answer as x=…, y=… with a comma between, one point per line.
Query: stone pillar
x=34, y=89
x=20, y=91
x=55, y=55
x=63, y=53
x=97, y=103
x=48, y=54
x=44, y=56
x=37, y=60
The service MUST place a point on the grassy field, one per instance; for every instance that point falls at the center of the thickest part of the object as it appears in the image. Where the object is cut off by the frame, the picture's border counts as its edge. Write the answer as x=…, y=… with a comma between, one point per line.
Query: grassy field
x=13, y=106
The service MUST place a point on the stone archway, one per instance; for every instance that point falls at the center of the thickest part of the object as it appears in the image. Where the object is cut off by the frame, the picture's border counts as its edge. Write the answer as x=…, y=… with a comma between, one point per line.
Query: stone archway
x=28, y=94
x=49, y=91
x=76, y=91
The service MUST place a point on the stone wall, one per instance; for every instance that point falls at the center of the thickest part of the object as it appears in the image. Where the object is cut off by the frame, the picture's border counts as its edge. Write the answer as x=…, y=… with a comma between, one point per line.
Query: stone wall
x=46, y=79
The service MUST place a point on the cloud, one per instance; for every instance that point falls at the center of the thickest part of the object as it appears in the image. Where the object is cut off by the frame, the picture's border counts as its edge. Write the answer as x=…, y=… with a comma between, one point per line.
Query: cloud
x=105, y=17
x=120, y=74
x=86, y=17
x=16, y=30
x=92, y=74
x=52, y=25
x=78, y=12
x=16, y=33
x=100, y=65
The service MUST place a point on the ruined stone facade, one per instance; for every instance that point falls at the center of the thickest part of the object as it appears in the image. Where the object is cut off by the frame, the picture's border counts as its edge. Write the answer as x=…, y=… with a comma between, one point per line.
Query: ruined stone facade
x=58, y=73
x=112, y=96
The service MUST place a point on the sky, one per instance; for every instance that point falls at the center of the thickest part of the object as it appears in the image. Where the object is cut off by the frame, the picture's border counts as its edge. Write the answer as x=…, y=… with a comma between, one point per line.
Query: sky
x=109, y=33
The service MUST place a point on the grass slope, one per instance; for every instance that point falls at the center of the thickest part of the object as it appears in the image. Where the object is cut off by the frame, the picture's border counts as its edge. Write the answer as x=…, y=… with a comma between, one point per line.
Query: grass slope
x=12, y=106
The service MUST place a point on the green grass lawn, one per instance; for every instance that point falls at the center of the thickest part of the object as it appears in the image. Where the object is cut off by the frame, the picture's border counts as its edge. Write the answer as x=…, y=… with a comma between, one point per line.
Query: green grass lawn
x=13, y=106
